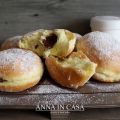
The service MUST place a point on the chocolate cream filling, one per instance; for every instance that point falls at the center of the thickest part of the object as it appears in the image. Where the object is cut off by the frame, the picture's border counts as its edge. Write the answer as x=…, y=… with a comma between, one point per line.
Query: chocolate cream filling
x=50, y=41
x=2, y=80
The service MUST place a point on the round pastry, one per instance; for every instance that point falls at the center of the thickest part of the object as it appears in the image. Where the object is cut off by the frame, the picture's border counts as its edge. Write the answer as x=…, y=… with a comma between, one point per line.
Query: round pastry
x=58, y=42
x=78, y=36
x=19, y=70
x=104, y=50
x=71, y=72
x=11, y=43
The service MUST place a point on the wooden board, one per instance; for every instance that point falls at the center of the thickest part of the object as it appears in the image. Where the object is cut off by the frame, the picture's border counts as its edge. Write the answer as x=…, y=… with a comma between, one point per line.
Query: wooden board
x=21, y=16
x=93, y=94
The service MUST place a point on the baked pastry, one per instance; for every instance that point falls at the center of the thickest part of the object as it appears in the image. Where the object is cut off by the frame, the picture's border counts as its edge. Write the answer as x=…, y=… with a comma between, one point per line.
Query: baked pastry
x=78, y=36
x=71, y=72
x=11, y=43
x=58, y=42
x=19, y=70
x=104, y=50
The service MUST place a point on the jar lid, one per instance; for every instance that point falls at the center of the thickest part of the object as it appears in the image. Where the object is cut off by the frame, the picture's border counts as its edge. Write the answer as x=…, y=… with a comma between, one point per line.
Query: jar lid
x=105, y=22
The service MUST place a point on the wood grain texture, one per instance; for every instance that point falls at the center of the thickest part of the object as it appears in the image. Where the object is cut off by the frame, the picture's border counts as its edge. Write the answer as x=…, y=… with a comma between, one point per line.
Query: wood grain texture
x=88, y=114
x=50, y=87
x=8, y=114
x=98, y=100
x=21, y=16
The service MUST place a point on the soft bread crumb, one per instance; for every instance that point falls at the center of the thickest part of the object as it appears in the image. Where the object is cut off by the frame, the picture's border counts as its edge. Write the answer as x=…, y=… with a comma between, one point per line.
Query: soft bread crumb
x=58, y=42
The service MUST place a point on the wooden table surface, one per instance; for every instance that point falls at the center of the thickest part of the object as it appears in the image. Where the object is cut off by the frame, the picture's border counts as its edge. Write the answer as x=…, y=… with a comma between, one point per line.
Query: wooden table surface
x=88, y=114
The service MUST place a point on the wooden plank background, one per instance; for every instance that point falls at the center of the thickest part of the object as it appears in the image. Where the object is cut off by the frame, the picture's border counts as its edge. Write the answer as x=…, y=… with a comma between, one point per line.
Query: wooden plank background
x=21, y=16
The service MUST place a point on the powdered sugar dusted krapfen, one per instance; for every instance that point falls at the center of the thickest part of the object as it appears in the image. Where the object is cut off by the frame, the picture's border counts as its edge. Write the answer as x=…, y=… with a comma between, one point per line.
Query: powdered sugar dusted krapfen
x=103, y=43
x=17, y=58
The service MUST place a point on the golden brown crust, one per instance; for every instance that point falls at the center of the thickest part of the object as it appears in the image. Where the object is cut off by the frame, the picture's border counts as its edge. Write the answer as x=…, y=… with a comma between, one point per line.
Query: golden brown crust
x=18, y=88
x=78, y=36
x=69, y=76
x=19, y=69
x=61, y=75
x=11, y=42
x=104, y=50
x=79, y=54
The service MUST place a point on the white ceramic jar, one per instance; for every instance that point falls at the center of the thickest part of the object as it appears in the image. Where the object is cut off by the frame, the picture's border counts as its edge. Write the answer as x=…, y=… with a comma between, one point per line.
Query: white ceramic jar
x=109, y=24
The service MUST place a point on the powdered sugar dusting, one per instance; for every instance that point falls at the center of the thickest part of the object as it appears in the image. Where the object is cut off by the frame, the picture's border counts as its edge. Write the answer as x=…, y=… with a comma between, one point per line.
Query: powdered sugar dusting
x=57, y=99
x=89, y=88
x=103, y=43
x=96, y=94
x=105, y=87
x=17, y=58
x=11, y=42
